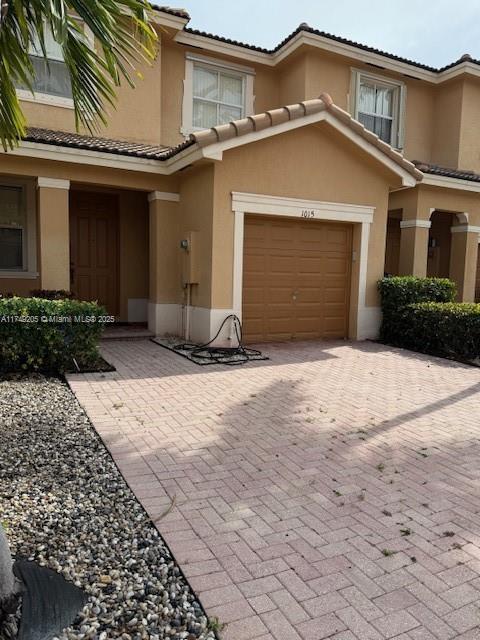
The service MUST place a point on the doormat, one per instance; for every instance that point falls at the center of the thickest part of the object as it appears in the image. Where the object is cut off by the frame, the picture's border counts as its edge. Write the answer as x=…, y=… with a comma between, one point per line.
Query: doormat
x=205, y=354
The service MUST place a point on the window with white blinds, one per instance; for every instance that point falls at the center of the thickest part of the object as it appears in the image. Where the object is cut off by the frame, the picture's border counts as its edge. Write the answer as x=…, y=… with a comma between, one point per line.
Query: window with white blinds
x=13, y=225
x=379, y=107
x=218, y=96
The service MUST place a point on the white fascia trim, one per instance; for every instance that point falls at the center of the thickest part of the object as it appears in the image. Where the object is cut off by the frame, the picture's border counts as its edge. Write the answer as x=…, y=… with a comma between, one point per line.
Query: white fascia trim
x=450, y=183
x=465, y=228
x=215, y=151
x=53, y=183
x=458, y=70
x=84, y=156
x=407, y=224
x=272, y=59
x=109, y=160
x=320, y=42
x=167, y=20
x=347, y=50
x=203, y=42
x=282, y=206
x=163, y=195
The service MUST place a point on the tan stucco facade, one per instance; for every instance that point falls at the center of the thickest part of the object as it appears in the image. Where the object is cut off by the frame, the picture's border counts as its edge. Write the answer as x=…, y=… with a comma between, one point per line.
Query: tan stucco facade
x=191, y=287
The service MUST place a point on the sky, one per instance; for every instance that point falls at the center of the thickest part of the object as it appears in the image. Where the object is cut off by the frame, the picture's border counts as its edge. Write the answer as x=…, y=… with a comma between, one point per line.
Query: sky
x=432, y=32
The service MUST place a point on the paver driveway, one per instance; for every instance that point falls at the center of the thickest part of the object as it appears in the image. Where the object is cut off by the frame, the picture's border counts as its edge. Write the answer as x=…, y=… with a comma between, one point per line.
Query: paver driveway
x=333, y=491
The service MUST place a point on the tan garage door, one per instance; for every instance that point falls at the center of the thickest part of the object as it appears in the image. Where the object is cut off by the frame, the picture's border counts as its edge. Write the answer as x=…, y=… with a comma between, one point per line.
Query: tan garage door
x=296, y=279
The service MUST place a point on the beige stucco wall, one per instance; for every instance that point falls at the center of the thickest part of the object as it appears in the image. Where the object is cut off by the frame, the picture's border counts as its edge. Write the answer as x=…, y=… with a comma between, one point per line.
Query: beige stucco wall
x=53, y=234
x=469, y=149
x=312, y=163
x=292, y=78
x=447, y=120
x=196, y=214
x=133, y=248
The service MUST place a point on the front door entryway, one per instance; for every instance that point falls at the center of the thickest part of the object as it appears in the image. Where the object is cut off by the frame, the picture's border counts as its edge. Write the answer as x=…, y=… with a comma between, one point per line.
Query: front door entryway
x=296, y=279
x=94, y=248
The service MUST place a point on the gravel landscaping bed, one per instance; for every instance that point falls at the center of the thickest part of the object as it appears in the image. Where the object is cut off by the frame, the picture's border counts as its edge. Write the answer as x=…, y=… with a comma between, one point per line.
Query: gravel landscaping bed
x=66, y=505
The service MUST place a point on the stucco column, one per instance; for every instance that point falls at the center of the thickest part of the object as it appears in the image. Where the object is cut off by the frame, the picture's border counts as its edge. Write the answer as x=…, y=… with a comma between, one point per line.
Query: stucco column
x=164, y=308
x=463, y=260
x=54, y=233
x=414, y=247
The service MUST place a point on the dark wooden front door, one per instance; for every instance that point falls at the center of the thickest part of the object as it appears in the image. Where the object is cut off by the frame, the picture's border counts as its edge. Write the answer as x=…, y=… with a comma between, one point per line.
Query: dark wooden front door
x=94, y=248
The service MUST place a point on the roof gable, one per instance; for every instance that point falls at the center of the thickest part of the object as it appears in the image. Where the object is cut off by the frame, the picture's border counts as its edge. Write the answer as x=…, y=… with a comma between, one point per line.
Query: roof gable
x=213, y=142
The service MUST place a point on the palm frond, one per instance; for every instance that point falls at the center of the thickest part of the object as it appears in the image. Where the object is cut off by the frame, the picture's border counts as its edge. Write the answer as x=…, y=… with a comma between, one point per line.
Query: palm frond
x=124, y=37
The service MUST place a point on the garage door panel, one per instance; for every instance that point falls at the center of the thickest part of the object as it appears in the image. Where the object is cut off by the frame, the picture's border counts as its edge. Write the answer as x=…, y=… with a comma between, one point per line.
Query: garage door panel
x=309, y=295
x=336, y=265
x=253, y=295
x=296, y=279
x=337, y=237
x=309, y=264
x=279, y=295
x=280, y=236
x=281, y=265
x=335, y=295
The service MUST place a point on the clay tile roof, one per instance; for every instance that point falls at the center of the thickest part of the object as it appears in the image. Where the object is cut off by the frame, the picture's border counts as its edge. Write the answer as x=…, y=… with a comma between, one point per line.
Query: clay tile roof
x=437, y=170
x=179, y=13
x=260, y=121
x=104, y=145
x=221, y=133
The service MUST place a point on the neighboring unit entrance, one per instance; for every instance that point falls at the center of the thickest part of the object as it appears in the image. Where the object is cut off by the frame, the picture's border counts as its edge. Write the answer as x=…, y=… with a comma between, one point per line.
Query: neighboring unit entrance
x=94, y=248
x=296, y=279
x=477, y=285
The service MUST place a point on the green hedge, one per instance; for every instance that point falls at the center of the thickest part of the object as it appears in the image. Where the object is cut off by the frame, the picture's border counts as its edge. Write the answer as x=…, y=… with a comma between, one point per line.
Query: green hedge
x=37, y=334
x=450, y=330
x=419, y=314
x=399, y=291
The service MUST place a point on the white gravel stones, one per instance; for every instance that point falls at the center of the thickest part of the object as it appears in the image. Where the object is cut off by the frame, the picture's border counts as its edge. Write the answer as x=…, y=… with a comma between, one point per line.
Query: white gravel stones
x=66, y=505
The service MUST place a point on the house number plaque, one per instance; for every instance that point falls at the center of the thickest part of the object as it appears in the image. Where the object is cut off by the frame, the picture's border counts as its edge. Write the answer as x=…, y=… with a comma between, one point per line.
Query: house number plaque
x=308, y=213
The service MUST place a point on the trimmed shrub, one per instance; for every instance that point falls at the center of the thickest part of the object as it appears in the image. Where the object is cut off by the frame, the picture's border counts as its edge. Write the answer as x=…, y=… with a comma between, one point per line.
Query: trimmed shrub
x=450, y=330
x=399, y=291
x=37, y=334
x=52, y=294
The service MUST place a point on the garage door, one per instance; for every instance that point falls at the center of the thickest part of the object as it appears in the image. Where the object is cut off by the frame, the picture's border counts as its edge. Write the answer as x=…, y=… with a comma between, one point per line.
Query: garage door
x=296, y=279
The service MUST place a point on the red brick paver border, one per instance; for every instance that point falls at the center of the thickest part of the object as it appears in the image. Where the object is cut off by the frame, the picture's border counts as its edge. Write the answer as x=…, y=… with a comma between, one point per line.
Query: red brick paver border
x=331, y=492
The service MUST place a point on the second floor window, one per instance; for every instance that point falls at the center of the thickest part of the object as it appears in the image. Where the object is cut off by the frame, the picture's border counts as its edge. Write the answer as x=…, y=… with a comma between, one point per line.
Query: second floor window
x=218, y=97
x=50, y=78
x=378, y=106
x=215, y=92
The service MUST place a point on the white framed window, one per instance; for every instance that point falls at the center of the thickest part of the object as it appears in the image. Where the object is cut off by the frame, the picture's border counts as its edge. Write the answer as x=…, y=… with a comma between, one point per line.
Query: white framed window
x=51, y=82
x=17, y=228
x=378, y=103
x=215, y=92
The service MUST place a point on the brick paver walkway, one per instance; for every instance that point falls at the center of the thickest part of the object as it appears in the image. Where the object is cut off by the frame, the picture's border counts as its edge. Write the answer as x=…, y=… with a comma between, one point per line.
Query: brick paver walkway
x=332, y=492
